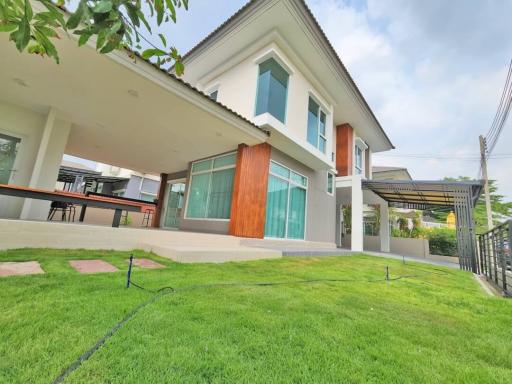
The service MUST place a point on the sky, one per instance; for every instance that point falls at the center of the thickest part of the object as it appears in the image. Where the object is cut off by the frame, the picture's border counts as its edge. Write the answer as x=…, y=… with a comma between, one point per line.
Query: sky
x=432, y=72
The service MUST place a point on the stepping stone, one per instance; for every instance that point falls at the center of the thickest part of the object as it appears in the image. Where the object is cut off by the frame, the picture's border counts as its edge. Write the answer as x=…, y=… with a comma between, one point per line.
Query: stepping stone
x=12, y=268
x=92, y=266
x=147, y=263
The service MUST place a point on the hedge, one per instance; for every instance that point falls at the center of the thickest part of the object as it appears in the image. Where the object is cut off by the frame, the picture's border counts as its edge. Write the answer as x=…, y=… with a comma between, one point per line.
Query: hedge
x=442, y=241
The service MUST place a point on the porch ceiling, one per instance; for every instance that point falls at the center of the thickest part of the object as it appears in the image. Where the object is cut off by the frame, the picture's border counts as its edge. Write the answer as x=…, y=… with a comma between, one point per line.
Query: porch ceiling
x=123, y=112
x=416, y=194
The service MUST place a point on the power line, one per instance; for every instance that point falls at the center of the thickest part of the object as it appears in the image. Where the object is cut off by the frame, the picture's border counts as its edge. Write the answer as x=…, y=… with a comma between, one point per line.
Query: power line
x=501, y=116
x=467, y=157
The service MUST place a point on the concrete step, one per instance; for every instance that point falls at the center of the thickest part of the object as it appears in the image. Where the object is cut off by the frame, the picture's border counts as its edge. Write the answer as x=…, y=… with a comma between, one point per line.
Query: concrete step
x=202, y=254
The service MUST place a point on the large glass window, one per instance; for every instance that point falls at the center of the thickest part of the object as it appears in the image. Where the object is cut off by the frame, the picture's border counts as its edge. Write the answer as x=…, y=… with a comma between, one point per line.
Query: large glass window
x=8, y=151
x=211, y=188
x=272, y=90
x=286, y=203
x=316, y=126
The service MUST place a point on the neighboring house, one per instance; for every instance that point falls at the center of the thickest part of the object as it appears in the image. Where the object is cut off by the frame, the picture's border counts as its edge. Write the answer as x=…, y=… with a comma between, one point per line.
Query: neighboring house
x=138, y=185
x=390, y=173
x=278, y=148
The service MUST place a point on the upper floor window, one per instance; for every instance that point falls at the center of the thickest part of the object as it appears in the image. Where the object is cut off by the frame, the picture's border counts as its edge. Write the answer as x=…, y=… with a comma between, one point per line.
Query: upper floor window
x=359, y=153
x=316, y=126
x=272, y=90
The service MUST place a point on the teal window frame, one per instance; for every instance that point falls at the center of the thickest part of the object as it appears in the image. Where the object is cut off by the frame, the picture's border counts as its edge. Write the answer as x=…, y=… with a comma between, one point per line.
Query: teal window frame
x=263, y=103
x=210, y=168
x=316, y=134
x=295, y=181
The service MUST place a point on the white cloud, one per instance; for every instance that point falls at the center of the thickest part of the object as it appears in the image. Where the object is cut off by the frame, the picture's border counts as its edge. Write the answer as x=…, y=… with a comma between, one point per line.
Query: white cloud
x=432, y=72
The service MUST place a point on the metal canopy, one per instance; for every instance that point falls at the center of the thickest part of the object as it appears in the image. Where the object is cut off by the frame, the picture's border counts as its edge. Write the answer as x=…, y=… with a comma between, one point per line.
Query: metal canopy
x=68, y=175
x=459, y=196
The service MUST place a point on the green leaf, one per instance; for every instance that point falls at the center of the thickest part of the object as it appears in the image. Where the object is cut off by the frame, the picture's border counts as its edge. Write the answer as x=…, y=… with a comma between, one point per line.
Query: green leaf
x=116, y=27
x=102, y=37
x=29, y=13
x=159, y=7
x=179, y=68
x=49, y=32
x=143, y=18
x=148, y=53
x=112, y=44
x=47, y=44
x=164, y=42
x=84, y=38
x=104, y=6
x=7, y=27
x=132, y=14
x=172, y=9
x=77, y=17
x=55, y=12
x=22, y=35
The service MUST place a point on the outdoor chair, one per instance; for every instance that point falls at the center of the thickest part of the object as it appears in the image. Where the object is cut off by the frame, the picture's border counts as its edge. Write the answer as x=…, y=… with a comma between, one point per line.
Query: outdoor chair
x=64, y=208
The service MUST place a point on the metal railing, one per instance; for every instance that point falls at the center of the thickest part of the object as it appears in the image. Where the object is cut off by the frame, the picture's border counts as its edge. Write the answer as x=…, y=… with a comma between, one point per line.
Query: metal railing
x=496, y=257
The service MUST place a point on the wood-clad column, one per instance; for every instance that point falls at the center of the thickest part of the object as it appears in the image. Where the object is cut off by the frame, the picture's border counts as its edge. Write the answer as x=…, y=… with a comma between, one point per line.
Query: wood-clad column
x=249, y=203
x=160, y=200
x=344, y=149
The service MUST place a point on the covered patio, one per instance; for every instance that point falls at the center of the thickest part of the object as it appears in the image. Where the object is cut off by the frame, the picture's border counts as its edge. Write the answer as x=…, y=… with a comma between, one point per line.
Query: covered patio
x=460, y=197
x=107, y=108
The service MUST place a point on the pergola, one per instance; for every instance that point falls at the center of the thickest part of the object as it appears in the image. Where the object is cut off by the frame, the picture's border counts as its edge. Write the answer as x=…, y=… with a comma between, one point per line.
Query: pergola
x=461, y=196
x=68, y=176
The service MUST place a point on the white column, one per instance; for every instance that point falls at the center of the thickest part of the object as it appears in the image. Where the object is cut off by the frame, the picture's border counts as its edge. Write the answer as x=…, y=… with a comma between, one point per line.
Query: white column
x=384, y=227
x=47, y=163
x=357, y=214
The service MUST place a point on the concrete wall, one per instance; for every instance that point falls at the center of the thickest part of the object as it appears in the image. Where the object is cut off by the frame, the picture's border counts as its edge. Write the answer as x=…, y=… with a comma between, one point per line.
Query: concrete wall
x=321, y=207
x=29, y=126
x=399, y=245
x=99, y=216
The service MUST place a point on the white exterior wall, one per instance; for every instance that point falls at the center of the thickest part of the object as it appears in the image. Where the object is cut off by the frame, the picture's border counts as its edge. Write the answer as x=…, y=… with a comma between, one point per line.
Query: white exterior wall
x=29, y=126
x=237, y=88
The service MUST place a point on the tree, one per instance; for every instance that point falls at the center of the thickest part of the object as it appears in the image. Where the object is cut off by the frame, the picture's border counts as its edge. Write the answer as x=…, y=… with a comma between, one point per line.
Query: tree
x=500, y=210
x=116, y=24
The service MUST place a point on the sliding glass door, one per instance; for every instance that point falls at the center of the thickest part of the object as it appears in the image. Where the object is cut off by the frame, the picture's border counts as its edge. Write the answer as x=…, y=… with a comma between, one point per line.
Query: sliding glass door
x=175, y=194
x=286, y=203
x=8, y=151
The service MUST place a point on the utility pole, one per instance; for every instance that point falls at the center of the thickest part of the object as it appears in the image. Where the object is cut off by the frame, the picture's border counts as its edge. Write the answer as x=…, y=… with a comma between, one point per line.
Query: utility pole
x=483, y=160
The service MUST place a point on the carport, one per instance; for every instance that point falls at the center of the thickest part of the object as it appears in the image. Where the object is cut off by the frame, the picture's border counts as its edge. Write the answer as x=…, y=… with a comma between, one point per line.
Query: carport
x=422, y=195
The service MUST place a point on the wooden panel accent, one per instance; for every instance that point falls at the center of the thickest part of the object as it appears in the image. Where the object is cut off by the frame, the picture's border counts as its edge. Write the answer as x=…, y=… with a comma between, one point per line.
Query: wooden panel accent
x=344, y=149
x=249, y=203
x=160, y=200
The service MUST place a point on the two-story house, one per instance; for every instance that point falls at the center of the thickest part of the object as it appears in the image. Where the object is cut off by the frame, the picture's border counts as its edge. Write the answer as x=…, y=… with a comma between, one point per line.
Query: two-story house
x=266, y=135
x=272, y=63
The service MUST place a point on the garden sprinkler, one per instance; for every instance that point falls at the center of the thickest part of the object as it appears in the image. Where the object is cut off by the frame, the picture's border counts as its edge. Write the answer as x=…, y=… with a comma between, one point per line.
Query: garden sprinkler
x=387, y=273
x=129, y=271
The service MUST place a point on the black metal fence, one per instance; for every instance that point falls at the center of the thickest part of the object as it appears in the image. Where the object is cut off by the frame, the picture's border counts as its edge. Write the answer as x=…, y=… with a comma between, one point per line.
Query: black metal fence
x=496, y=257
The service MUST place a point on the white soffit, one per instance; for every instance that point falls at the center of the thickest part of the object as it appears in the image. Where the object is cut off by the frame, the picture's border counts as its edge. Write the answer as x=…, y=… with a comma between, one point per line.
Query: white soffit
x=123, y=113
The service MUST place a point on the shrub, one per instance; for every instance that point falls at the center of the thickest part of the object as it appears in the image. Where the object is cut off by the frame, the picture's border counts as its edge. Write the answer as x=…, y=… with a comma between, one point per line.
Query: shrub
x=442, y=241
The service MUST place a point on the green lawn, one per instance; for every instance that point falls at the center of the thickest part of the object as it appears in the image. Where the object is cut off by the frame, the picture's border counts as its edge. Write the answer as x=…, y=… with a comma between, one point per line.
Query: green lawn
x=435, y=326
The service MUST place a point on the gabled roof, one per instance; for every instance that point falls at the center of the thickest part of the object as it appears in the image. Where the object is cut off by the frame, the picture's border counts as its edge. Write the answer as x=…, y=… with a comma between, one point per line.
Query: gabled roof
x=253, y=5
